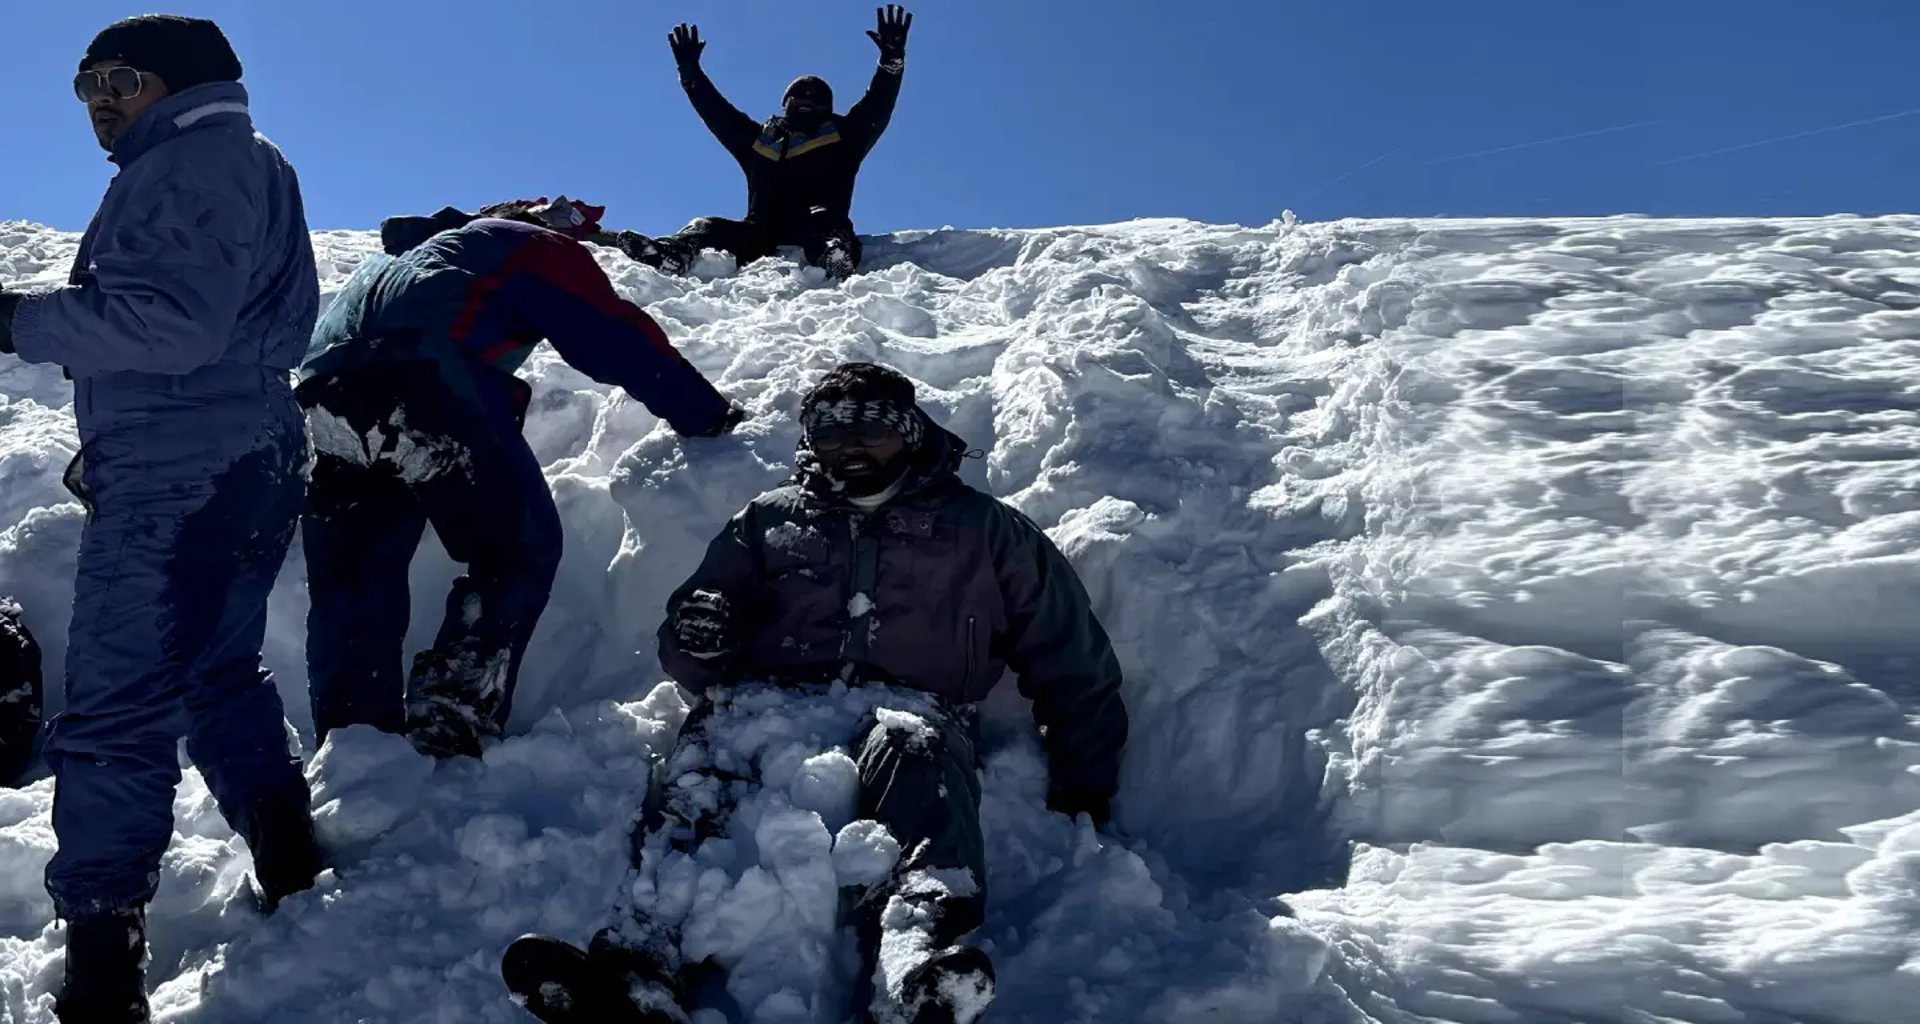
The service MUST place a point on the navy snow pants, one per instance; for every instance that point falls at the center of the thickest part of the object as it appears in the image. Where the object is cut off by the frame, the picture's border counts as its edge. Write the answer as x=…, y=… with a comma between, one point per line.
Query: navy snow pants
x=169, y=613
x=396, y=449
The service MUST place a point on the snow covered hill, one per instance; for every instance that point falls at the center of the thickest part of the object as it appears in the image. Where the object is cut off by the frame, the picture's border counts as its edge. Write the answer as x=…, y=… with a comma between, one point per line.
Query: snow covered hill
x=1518, y=619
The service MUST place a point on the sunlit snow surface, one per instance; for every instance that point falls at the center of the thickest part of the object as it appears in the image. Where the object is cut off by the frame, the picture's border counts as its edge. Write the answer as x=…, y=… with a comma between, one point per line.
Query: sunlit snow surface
x=1519, y=620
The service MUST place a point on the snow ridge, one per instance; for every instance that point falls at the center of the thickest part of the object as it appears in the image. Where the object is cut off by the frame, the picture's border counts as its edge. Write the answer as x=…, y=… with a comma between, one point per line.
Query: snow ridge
x=1513, y=613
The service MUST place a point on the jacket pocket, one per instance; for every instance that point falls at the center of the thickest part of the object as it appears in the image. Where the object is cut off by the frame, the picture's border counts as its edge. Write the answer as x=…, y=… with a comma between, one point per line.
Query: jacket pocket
x=790, y=548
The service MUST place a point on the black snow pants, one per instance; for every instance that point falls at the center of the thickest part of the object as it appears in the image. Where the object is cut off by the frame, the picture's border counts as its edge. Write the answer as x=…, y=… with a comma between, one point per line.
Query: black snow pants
x=827, y=238
x=925, y=788
x=395, y=448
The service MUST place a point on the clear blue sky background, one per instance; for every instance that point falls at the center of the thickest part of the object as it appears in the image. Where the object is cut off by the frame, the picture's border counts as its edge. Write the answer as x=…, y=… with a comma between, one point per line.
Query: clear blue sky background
x=1037, y=112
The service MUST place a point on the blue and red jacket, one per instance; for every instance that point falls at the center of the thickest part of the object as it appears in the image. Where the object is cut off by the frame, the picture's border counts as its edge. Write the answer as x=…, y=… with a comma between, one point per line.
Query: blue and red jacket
x=477, y=299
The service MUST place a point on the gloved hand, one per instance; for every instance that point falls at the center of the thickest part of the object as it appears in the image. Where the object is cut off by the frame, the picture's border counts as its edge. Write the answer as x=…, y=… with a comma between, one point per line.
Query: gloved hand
x=1074, y=801
x=687, y=44
x=891, y=36
x=8, y=300
x=703, y=625
x=724, y=425
x=734, y=417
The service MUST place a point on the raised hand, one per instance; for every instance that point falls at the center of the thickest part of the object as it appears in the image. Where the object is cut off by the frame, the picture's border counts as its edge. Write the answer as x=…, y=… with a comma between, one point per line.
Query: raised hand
x=891, y=34
x=687, y=44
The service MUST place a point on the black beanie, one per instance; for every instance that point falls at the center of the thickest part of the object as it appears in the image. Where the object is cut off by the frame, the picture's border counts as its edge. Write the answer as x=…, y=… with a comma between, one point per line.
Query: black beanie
x=809, y=80
x=183, y=51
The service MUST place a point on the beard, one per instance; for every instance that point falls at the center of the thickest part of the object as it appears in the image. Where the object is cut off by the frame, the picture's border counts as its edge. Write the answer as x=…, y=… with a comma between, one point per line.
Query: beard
x=861, y=476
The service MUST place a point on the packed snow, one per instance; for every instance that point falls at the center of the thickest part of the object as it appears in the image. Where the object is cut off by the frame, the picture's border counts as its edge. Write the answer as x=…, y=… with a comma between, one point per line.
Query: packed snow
x=1516, y=617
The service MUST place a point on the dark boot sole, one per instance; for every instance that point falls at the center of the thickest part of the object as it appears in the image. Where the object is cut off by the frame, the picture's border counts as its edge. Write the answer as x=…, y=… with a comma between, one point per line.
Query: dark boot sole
x=964, y=965
x=558, y=983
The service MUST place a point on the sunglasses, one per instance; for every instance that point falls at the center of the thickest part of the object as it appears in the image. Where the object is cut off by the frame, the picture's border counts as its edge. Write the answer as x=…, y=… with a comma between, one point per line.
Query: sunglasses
x=122, y=82
x=836, y=436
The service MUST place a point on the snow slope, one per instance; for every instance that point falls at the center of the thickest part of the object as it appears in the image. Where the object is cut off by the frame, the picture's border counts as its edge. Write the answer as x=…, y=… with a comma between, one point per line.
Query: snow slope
x=1516, y=617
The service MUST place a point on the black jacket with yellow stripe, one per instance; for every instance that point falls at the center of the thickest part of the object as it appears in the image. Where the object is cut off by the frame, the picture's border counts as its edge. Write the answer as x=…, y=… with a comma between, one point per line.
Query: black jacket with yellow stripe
x=789, y=172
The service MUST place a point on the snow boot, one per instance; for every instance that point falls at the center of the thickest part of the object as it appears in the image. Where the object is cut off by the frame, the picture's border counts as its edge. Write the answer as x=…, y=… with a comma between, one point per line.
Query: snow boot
x=105, y=980
x=670, y=259
x=564, y=984
x=286, y=856
x=837, y=261
x=454, y=697
x=954, y=986
x=665, y=255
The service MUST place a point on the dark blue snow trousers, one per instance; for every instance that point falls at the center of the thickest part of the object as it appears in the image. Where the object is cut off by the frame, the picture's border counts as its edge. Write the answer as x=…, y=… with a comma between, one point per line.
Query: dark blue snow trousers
x=169, y=613
x=395, y=450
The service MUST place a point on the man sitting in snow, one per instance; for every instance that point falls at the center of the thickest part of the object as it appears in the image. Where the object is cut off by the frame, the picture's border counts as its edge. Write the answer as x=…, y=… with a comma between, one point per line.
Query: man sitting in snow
x=20, y=694
x=800, y=165
x=877, y=564
x=416, y=414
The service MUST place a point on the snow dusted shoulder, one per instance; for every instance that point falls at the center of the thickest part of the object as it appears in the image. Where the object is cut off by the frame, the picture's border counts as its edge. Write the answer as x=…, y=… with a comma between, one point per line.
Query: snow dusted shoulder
x=1516, y=618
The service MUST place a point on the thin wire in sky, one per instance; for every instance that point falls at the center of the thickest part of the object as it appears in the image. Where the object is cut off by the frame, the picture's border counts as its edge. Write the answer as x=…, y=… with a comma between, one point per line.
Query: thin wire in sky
x=1543, y=142
x=1789, y=138
x=1310, y=193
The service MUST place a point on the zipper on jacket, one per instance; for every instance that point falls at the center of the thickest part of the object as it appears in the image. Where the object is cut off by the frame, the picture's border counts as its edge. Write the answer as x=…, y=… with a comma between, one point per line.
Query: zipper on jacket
x=866, y=570
x=973, y=662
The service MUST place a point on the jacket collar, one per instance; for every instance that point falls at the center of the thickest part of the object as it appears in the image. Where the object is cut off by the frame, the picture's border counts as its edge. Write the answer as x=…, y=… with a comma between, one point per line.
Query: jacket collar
x=216, y=104
x=778, y=126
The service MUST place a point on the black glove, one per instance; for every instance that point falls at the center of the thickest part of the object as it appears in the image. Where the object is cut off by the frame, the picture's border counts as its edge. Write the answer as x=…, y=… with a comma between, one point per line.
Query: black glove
x=8, y=300
x=734, y=417
x=687, y=44
x=891, y=36
x=703, y=626
x=1074, y=801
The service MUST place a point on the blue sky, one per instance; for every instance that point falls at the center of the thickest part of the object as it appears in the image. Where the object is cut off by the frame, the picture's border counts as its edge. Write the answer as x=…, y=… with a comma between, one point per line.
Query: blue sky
x=1035, y=112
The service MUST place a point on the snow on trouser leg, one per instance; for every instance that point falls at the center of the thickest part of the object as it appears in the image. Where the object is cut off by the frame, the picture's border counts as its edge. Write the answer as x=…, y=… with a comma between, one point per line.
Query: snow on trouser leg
x=169, y=615
x=953, y=986
x=21, y=694
x=399, y=448
x=919, y=776
x=360, y=532
x=631, y=971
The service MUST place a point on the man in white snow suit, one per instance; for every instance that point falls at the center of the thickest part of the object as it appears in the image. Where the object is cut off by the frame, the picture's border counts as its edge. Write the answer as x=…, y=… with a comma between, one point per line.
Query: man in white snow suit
x=190, y=301
x=967, y=587
x=800, y=165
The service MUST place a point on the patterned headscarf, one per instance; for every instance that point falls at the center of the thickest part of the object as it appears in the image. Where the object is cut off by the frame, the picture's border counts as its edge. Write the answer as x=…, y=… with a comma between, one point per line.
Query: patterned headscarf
x=855, y=393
